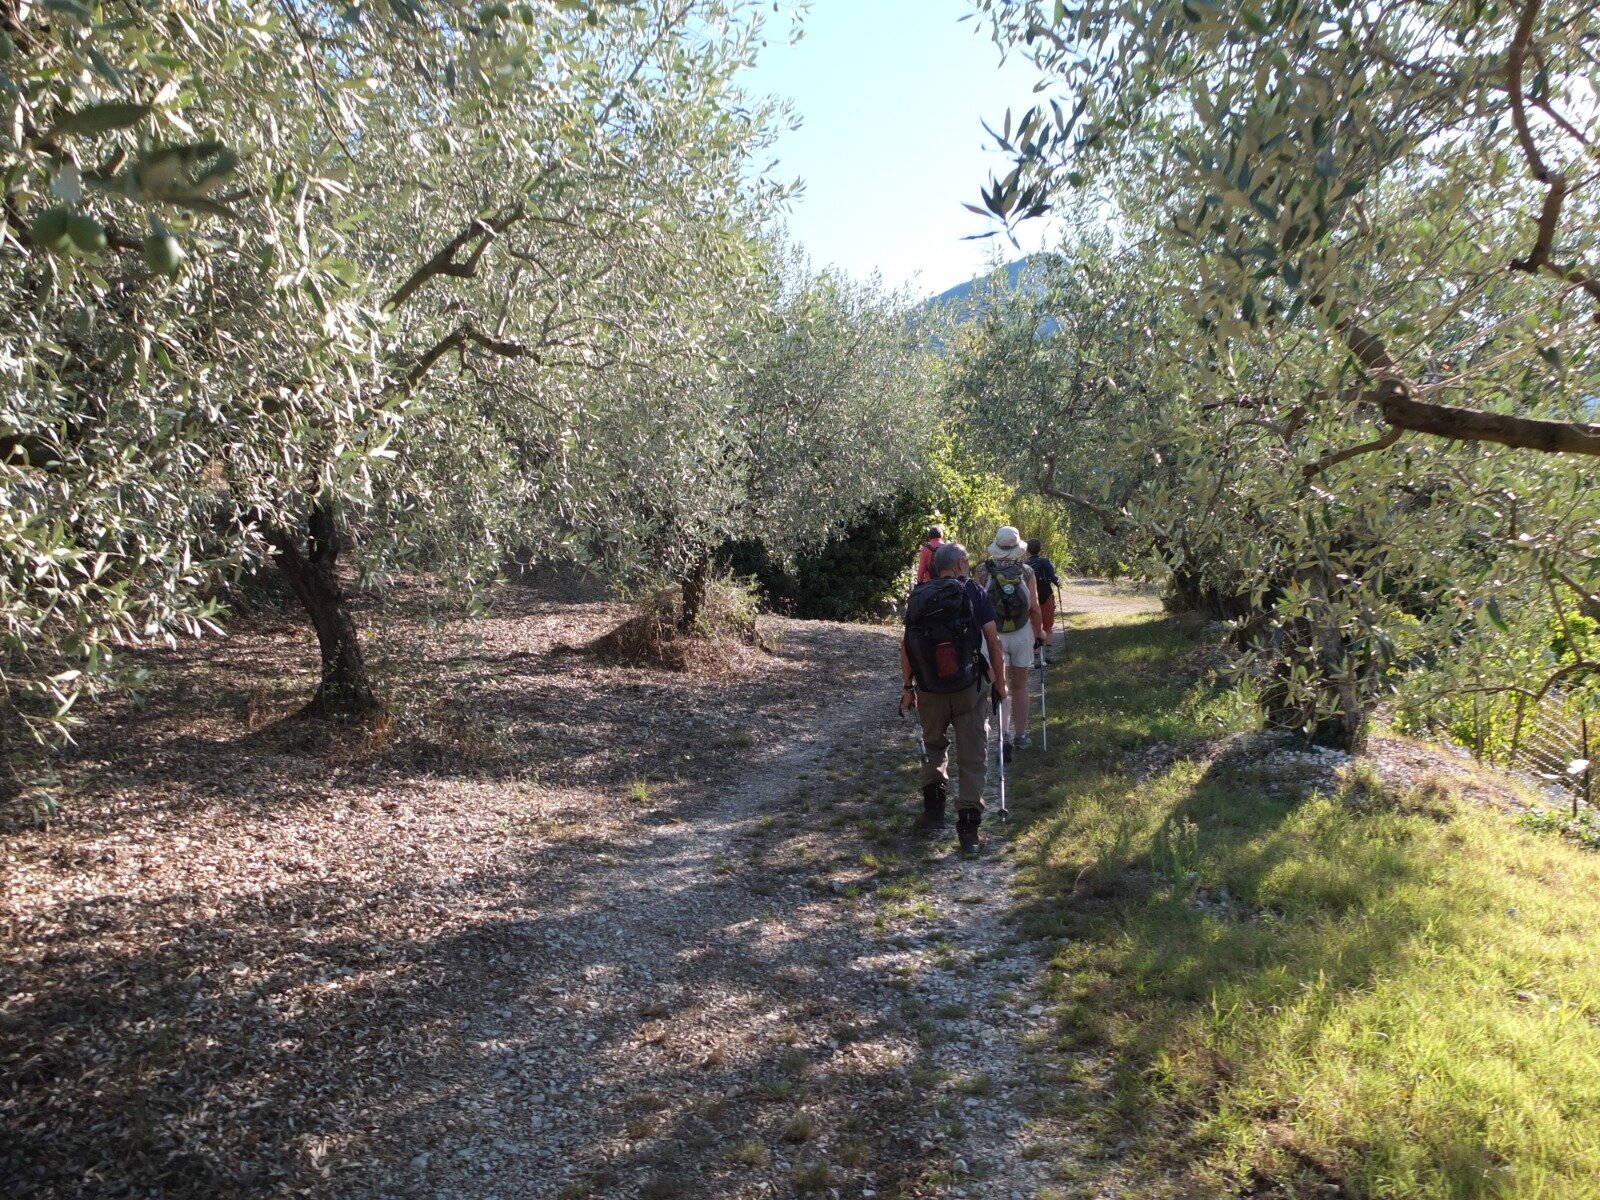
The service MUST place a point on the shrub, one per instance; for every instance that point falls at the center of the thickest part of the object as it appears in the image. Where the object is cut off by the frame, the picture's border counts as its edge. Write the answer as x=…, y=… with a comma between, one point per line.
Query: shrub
x=723, y=637
x=852, y=576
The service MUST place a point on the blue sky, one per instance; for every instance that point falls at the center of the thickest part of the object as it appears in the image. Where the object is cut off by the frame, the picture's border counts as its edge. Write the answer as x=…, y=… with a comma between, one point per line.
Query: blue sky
x=891, y=95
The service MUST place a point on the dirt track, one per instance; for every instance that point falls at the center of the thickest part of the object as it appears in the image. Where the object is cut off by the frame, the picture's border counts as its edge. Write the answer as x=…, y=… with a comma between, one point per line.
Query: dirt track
x=571, y=929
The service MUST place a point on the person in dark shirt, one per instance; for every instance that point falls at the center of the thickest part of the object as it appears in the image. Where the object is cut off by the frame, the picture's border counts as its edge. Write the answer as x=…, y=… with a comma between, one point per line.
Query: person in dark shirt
x=961, y=713
x=1049, y=587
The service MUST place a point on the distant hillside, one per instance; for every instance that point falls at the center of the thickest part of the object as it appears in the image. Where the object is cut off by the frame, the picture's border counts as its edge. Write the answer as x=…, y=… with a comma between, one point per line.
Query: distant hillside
x=962, y=293
x=967, y=299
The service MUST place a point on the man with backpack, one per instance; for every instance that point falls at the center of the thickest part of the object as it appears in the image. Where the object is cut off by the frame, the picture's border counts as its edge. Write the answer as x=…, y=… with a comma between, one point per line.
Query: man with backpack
x=949, y=624
x=931, y=541
x=1044, y=573
x=1019, y=621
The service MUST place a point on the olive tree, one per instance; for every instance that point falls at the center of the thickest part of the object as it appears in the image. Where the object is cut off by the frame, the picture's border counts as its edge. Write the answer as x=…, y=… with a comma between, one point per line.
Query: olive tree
x=1306, y=153
x=823, y=405
x=290, y=274
x=1381, y=223
x=1341, y=571
x=1053, y=374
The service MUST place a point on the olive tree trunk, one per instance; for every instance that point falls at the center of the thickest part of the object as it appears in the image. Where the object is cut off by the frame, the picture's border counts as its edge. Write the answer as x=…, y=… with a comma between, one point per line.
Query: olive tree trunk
x=1337, y=713
x=309, y=561
x=695, y=582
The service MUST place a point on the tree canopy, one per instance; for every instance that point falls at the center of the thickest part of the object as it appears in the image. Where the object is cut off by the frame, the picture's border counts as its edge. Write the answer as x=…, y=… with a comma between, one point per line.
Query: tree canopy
x=1355, y=245
x=422, y=282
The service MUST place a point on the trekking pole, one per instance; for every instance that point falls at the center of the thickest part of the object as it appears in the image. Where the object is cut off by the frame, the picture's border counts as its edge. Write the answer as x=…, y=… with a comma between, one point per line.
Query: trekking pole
x=1000, y=708
x=922, y=742
x=1040, y=647
x=1044, y=709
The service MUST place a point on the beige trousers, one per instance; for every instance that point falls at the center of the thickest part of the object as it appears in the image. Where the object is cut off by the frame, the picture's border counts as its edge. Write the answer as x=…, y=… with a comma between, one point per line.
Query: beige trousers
x=963, y=713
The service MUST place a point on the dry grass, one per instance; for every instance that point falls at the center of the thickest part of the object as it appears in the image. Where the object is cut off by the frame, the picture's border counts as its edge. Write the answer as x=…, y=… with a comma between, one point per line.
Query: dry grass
x=724, y=640
x=750, y=1154
x=811, y=1177
x=799, y=1128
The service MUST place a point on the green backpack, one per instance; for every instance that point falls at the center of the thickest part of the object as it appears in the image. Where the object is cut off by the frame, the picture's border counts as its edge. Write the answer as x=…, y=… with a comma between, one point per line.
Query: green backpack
x=1008, y=592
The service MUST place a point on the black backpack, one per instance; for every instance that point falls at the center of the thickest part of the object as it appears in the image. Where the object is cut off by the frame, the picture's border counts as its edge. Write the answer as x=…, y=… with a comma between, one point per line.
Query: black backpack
x=1008, y=590
x=943, y=640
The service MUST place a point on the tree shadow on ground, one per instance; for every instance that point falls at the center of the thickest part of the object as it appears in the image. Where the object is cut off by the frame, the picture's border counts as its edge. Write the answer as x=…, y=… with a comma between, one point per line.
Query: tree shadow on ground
x=275, y=1042
x=300, y=1002
x=218, y=723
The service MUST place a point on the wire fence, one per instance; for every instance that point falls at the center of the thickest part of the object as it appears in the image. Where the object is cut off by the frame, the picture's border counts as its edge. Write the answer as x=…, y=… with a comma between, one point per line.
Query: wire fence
x=1550, y=740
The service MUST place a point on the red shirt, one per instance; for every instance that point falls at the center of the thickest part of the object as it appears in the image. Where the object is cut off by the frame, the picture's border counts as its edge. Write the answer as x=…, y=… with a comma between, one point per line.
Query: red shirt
x=925, y=559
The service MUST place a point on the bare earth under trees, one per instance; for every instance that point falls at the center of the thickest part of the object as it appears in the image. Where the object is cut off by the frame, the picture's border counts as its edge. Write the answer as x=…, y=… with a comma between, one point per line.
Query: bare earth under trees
x=572, y=925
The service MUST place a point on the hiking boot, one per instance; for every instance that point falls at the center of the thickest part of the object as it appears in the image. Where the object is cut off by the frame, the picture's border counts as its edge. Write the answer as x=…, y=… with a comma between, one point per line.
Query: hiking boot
x=967, y=831
x=1024, y=742
x=1005, y=750
x=932, y=819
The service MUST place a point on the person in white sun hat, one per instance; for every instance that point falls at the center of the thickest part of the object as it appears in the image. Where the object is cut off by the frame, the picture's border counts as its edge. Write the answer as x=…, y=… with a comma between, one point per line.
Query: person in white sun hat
x=1014, y=592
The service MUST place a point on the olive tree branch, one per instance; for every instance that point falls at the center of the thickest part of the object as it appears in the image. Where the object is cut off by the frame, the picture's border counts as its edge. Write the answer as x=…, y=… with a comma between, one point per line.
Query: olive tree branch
x=1536, y=694
x=1396, y=399
x=316, y=81
x=1334, y=457
x=1044, y=478
x=1538, y=258
x=458, y=340
x=478, y=233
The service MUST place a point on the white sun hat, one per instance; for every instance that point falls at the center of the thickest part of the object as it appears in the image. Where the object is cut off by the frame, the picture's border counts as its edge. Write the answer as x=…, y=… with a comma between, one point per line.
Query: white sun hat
x=1007, y=543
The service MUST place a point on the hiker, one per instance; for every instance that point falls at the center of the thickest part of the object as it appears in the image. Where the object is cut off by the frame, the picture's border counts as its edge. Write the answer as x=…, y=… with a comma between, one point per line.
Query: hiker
x=950, y=625
x=1014, y=595
x=1044, y=572
x=931, y=541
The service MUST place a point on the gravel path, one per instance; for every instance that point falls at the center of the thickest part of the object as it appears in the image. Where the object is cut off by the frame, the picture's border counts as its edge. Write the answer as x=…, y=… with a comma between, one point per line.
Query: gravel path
x=739, y=1010
x=577, y=930
x=1102, y=597
x=751, y=1003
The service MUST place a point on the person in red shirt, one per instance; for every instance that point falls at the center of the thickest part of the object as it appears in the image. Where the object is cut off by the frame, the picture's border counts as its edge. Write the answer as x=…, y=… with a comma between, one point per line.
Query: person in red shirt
x=931, y=541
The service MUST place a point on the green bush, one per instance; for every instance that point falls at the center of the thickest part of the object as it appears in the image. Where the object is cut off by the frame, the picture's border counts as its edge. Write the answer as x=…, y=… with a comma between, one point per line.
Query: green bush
x=850, y=577
x=855, y=575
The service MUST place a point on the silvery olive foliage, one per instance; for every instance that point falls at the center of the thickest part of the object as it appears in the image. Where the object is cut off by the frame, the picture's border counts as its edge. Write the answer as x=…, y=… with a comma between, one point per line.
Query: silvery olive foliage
x=838, y=402
x=1051, y=374
x=1339, y=576
x=1373, y=172
x=824, y=402
x=280, y=275
x=1371, y=231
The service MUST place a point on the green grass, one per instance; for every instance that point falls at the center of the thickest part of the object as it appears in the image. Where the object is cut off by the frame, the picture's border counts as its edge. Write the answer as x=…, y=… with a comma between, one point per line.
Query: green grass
x=800, y=1127
x=811, y=1176
x=750, y=1153
x=1395, y=995
x=979, y=1084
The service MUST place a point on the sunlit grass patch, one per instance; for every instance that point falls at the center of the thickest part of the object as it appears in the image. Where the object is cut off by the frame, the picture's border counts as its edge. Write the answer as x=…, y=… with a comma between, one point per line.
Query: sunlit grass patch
x=1388, y=995
x=977, y=1084
x=750, y=1153
x=773, y=1090
x=800, y=1127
